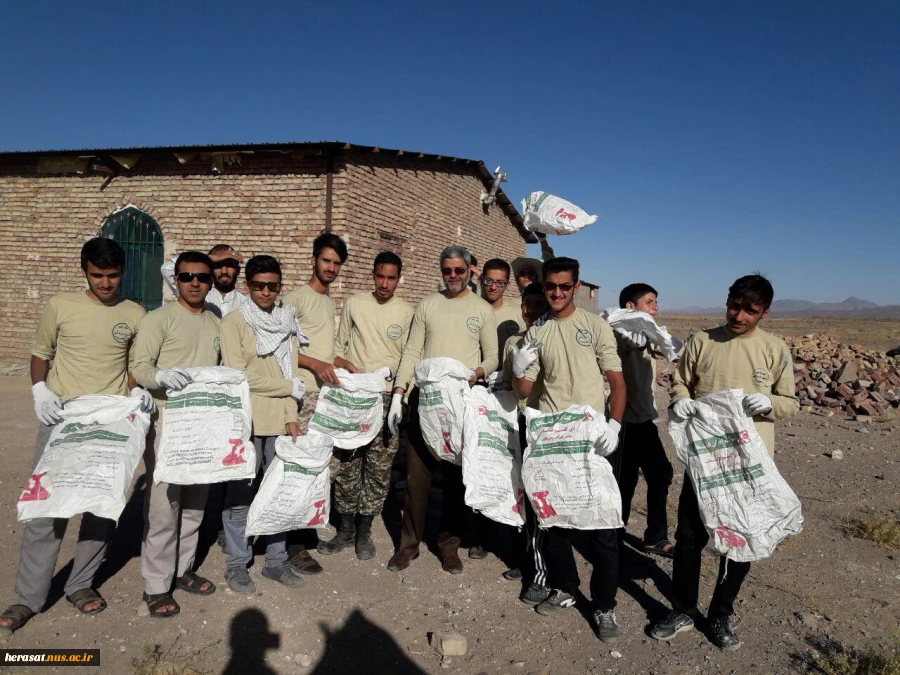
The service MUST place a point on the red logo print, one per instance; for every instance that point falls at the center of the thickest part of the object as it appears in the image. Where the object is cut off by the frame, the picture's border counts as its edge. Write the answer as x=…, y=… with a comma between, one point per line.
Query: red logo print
x=541, y=505
x=730, y=538
x=520, y=501
x=482, y=410
x=236, y=456
x=587, y=417
x=562, y=213
x=364, y=427
x=33, y=490
x=319, y=518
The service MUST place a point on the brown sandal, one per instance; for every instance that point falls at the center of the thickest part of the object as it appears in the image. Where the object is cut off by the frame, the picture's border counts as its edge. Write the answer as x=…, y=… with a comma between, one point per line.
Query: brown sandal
x=193, y=583
x=158, y=600
x=660, y=549
x=83, y=598
x=19, y=615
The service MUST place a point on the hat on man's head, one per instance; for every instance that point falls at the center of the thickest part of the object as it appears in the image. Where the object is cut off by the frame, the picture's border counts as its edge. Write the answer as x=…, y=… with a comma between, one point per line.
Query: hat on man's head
x=519, y=263
x=221, y=252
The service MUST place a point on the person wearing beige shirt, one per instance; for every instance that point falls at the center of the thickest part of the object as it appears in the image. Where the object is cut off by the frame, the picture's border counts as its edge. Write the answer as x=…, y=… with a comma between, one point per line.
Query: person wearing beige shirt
x=315, y=312
x=641, y=450
x=495, y=278
x=261, y=340
x=87, y=336
x=567, y=353
x=737, y=355
x=182, y=334
x=457, y=324
x=371, y=335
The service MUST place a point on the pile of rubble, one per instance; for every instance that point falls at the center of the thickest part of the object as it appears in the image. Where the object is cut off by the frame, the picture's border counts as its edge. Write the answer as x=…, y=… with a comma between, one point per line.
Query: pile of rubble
x=842, y=380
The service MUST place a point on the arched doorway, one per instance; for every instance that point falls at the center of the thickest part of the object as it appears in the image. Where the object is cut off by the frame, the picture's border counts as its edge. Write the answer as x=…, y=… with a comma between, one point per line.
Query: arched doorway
x=140, y=236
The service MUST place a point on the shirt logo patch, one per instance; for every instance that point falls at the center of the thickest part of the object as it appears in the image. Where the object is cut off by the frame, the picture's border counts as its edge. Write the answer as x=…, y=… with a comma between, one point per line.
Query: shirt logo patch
x=394, y=331
x=473, y=323
x=121, y=333
x=761, y=377
x=216, y=345
x=583, y=337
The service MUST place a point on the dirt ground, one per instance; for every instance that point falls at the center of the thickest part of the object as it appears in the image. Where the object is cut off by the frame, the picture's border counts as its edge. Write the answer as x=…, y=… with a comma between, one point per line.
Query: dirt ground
x=357, y=617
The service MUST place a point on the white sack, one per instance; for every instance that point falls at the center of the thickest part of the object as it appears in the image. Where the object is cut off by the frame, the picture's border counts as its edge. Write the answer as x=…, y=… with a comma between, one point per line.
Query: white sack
x=568, y=482
x=352, y=413
x=89, y=460
x=492, y=461
x=747, y=507
x=442, y=384
x=206, y=430
x=633, y=321
x=543, y=212
x=295, y=493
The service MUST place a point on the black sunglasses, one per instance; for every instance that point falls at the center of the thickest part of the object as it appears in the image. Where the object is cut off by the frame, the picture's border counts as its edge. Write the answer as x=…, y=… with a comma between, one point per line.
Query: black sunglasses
x=258, y=286
x=565, y=288
x=188, y=277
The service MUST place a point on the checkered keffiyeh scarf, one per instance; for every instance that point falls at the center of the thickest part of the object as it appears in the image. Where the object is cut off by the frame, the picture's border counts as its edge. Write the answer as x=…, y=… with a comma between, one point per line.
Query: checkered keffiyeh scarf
x=273, y=333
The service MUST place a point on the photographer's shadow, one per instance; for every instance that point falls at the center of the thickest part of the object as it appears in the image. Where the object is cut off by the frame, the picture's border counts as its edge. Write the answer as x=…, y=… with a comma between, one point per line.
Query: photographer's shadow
x=249, y=641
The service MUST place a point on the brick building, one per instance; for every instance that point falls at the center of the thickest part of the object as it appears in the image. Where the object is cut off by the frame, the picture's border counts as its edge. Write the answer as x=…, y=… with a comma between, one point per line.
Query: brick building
x=270, y=199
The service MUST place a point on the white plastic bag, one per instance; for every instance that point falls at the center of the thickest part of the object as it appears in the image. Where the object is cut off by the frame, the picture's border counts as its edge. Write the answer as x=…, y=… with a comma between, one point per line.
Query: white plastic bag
x=295, y=493
x=633, y=321
x=492, y=459
x=442, y=384
x=747, y=507
x=568, y=482
x=352, y=413
x=206, y=430
x=543, y=212
x=89, y=461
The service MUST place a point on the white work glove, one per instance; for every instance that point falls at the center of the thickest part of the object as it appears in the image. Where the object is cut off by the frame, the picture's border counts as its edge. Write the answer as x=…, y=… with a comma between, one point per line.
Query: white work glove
x=175, y=379
x=385, y=372
x=635, y=340
x=298, y=389
x=609, y=440
x=147, y=403
x=684, y=408
x=525, y=355
x=756, y=404
x=493, y=380
x=46, y=404
x=395, y=414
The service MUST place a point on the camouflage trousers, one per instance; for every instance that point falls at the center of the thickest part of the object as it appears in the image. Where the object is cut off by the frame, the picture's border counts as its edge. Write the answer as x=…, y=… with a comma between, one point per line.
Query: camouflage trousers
x=362, y=476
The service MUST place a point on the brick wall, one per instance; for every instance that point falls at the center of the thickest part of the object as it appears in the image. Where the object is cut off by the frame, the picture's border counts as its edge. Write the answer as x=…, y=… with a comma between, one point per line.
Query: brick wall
x=271, y=203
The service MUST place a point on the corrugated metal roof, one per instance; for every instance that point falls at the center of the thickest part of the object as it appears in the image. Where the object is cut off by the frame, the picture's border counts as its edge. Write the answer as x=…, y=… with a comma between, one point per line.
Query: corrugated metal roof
x=484, y=173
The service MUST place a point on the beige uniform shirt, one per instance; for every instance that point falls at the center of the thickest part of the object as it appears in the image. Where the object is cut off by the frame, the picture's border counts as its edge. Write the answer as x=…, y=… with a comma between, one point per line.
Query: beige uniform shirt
x=639, y=371
x=88, y=343
x=759, y=362
x=315, y=312
x=371, y=335
x=174, y=337
x=463, y=328
x=270, y=391
x=509, y=323
x=574, y=354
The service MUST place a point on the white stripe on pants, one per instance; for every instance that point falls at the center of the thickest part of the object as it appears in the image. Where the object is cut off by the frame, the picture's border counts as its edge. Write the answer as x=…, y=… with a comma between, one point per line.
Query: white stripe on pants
x=41, y=541
x=172, y=517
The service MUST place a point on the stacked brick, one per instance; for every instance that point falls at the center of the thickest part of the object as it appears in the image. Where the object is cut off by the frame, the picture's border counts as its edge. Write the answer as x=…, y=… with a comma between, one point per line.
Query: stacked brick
x=840, y=380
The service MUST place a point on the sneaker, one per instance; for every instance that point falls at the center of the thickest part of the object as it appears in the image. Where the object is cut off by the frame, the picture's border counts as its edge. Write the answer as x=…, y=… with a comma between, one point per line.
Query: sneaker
x=283, y=575
x=535, y=594
x=723, y=636
x=512, y=574
x=607, y=626
x=238, y=579
x=556, y=602
x=674, y=623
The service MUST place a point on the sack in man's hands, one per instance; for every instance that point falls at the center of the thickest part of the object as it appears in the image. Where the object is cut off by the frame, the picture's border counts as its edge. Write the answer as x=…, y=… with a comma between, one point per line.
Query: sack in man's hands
x=443, y=383
x=89, y=461
x=633, y=321
x=352, y=413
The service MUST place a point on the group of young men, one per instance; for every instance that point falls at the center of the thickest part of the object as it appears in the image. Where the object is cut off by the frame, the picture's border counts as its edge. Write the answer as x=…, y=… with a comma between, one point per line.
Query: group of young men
x=522, y=332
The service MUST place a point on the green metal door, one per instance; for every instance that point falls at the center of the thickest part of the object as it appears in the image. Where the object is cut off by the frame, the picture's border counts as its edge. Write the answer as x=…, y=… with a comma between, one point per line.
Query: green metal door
x=142, y=240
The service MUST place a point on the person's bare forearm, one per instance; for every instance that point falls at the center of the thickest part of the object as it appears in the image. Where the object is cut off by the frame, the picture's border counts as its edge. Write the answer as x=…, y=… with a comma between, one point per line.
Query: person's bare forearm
x=40, y=369
x=522, y=387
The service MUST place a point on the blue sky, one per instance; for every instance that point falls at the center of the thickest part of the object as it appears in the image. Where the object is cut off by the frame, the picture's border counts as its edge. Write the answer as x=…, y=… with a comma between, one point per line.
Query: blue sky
x=713, y=139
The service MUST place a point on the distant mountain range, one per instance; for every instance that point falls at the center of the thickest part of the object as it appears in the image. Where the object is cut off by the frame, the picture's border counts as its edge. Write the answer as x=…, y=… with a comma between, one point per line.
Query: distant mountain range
x=850, y=308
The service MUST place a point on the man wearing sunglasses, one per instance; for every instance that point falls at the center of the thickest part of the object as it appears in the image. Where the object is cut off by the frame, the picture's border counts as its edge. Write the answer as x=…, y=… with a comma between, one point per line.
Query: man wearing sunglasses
x=453, y=323
x=261, y=340
x=224, y=295
x=82, y=346
x=182, y=334
x=315, y=312
x=567, y=355
x=494, y=282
